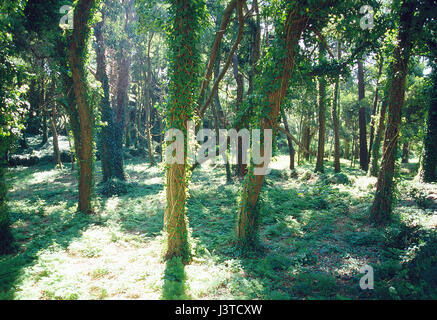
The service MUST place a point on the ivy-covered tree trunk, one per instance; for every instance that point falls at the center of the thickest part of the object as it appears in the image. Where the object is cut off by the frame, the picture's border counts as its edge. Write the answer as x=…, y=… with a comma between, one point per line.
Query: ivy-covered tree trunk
x=106, y=139
x=374, y=110
x=382, y=206
x=321, y=83
x=291, y=150
x=120, y=116
x=335, y=122
x=6, y=238
x=306, y=141
x=122, y=97
x=83, y=14
x=362, y=119
x=429, y=163
x=183, y=73
x=296, y=22
x=240, y=167
x=255, y=31
x=376, y=146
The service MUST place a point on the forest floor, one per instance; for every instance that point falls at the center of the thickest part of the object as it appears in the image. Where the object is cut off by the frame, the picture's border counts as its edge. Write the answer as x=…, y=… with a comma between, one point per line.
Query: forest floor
x=315, y=235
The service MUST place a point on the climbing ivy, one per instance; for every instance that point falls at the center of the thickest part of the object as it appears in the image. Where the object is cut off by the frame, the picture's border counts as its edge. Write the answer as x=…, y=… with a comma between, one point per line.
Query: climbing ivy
x=182, y=36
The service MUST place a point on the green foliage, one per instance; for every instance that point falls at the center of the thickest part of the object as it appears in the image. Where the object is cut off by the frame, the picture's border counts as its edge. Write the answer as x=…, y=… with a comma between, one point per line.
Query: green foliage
x=174, y=287
x=420, y=196
x=316, y=285
x=371, y=238
x=113, y=186
x=340, y=178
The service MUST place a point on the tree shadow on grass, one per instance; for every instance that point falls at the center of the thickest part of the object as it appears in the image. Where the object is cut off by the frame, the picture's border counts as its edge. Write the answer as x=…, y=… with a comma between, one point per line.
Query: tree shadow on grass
x=175, y=281
x=270, y=271
x=55, y=229
x=139, y=211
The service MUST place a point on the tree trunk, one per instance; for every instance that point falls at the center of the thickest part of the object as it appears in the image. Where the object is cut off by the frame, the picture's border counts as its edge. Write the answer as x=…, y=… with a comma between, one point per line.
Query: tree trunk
x=374, y=110
x=77, y=51
x=322, y=117
x=219, y=118
x=335, y=122
x=290, y=143
x=56, y=152
x=306, y=141
x=362, y=119
x=381, y=209
x=255, y=29
x=241, y=167
x=247, y=222
x=184, y=59
x=106, y=138
x=122, y=98
x=45, y=136
x=429, y=163
x=149, y=105
x=405, y=152
x=376, y=146
x=347, y=148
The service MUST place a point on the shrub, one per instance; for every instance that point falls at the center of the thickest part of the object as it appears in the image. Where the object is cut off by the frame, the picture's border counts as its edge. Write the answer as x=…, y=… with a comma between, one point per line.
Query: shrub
x=113, y=186
x=420, y=197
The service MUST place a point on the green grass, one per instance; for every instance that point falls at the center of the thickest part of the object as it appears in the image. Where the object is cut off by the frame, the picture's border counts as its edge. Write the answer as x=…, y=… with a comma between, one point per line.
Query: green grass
x=315, y=237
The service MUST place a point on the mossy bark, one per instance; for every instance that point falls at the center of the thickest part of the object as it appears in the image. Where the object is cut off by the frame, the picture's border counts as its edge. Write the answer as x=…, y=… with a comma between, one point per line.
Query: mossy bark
x=374, y=110
x=77, y=52
x=381, y=209
x=335, y=122
x=429, y=164
x=122, y=99
x=376, y=146
x=182, y=39
x=321, y=84
x=6, y=238
x=106, y=139
x=362, y=119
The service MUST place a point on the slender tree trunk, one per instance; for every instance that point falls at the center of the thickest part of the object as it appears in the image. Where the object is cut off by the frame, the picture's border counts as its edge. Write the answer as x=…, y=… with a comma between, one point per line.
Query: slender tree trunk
x=149, y=105
x=382, y=207
x=106, y=138
x=335, y=122
x=322, y=116
x=6, y=238
x=347, y=148
x=290, y=143
x=306, y=141
x=429, y=162
x=70, y=147
x=45, y=136
x=82, y=16
x=241, y=167
x=247, y=222
x=56, y=152
x=374, y=110
x=376, y=146
x=405, y=152
x=362, y=119
x=161, y=130
x=255, y=28
x=122, y=97
x=219, y=118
